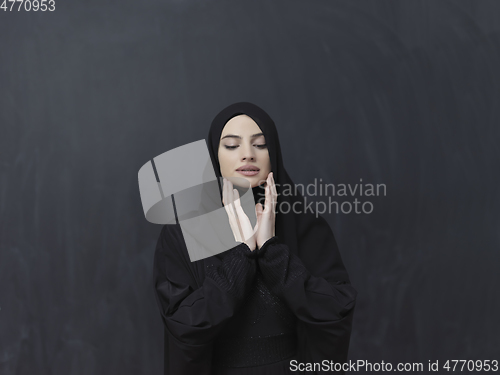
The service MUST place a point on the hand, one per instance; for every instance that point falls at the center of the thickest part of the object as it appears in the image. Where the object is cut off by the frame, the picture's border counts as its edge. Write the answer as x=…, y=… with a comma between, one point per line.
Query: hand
x=238, y=220
x=266, y=217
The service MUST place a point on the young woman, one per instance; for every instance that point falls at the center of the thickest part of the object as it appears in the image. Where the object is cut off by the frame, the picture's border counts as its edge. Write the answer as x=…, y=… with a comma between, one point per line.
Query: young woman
x=281, y=295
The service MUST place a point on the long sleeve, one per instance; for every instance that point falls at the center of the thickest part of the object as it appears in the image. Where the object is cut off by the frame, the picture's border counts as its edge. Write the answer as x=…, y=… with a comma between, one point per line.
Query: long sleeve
x=287, y=277
x=319, y=293
x=194, y=315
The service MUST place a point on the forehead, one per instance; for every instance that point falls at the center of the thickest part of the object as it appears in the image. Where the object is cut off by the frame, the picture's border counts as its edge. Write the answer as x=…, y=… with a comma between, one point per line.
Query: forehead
x=242, y=125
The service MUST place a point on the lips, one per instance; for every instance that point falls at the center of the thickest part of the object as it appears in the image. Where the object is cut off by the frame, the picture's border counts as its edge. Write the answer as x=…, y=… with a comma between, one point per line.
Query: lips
x=248, y=168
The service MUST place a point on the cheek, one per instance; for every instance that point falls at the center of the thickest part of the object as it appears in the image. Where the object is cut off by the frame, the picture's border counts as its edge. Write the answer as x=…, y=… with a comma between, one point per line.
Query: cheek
x=268, y=164
x=224, y=160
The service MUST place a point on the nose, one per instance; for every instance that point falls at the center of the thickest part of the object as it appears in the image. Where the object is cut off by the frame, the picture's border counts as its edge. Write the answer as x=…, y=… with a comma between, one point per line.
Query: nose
x=248, y=153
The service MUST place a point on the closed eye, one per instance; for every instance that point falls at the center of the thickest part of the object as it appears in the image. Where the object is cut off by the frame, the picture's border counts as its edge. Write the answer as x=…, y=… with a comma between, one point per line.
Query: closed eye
x=233, y=147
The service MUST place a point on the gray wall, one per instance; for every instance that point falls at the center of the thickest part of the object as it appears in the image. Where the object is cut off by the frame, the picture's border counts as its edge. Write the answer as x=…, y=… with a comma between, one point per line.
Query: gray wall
x=404, y=93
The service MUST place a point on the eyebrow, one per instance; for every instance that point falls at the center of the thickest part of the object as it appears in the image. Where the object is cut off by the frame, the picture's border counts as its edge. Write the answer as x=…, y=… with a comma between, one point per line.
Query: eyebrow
x=237, y=136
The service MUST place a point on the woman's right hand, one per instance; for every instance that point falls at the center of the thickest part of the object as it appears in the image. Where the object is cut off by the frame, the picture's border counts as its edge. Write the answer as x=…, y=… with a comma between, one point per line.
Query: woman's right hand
x=238, y=220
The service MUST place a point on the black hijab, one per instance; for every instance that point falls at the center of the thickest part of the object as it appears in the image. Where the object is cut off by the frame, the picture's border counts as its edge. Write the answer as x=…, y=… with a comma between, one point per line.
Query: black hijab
x=299, y=230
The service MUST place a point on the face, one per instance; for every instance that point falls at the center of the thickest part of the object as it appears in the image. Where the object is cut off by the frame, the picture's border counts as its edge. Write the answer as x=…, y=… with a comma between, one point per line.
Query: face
x=242, y=147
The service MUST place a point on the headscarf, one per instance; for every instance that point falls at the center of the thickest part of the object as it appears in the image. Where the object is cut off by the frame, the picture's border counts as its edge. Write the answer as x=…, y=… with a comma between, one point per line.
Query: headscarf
x=299, y=230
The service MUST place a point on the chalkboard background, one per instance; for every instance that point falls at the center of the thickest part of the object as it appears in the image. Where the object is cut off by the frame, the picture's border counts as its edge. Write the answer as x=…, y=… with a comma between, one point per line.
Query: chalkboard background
x=404, y=93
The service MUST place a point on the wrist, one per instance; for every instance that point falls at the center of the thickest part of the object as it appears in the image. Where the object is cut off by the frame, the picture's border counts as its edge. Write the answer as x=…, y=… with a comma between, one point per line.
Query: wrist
x=269, y=241
x=251, y=247
x=247, y=250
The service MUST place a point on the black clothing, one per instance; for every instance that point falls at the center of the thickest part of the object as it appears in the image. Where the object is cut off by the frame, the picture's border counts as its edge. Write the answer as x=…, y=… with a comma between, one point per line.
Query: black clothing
x=292, y=296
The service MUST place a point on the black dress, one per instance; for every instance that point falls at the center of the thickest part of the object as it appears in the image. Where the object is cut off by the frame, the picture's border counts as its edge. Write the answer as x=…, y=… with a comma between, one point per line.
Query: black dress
x=247, y=313
x=244, y=312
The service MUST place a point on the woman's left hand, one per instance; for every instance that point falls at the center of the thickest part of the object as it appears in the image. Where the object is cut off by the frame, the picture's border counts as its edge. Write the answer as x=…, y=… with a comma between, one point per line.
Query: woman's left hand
x=266, y=217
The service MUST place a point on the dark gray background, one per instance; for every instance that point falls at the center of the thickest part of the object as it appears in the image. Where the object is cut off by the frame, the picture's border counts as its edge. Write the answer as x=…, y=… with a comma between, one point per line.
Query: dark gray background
x=404, y=93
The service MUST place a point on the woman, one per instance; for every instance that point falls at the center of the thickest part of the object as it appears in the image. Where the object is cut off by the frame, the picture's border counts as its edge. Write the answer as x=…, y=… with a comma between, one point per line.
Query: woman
x=281, y=295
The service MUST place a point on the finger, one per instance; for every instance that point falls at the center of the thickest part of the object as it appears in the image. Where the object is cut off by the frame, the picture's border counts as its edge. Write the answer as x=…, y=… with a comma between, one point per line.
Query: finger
x=231, y=214
x=233, y=224
x=228, y=199
x=223, y=191
x=245, y=224
x=258, y=211
x=235, y=230
x=268, y=200
x=275, y=201
x=224, y=197
x=226, y=189
x=229, y=194
x=242, y=216
x=234, y=196
x=239, y=210
x=237, y=201
x=274, y=193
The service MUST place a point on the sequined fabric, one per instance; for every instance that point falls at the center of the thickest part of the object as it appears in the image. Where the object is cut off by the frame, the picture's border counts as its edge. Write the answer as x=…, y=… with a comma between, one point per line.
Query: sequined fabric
x=282, y=267
x=241, y=345
x=261, y=301
x=254, y=351
x=236, y=271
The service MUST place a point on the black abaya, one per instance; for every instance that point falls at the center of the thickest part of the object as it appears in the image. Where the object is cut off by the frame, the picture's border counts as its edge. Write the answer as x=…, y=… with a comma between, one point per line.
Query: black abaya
x=301, y=268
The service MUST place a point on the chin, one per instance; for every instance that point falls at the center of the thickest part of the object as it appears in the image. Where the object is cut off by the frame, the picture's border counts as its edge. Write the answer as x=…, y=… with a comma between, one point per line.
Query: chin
x=253, y=180
x=250, y=180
